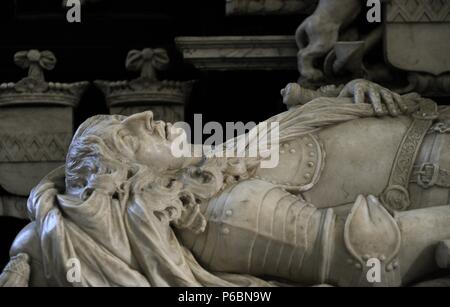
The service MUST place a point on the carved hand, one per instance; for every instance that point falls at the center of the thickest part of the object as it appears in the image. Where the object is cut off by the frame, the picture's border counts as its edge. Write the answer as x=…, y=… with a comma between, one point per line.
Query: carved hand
x=382, y=99
x=191, y=216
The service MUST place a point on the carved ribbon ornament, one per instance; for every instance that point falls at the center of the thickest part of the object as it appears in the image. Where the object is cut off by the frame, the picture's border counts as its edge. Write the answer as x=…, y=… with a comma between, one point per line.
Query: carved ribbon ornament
x=147, y=61
x=36, y=62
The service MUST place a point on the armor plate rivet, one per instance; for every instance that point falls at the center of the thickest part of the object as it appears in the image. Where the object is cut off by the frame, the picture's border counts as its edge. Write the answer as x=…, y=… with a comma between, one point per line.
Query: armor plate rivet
x=389, y=268
x=310, y=164
x=358, y=266
x=292, y=151
x=308, y=175
x=225, y=231
x=229, y=212
x=310, y=144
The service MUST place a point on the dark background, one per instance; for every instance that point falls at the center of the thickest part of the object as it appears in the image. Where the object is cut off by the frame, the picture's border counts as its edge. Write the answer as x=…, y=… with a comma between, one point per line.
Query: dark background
x=97, y=48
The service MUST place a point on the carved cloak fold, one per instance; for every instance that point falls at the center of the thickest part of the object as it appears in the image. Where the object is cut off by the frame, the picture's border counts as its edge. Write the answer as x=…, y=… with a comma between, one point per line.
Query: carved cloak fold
x=116, y=244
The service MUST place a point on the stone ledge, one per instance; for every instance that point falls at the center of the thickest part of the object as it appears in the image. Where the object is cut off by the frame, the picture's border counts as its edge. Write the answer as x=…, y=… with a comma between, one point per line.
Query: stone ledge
x=269, y=7
x=13, y=206
x=228, y=53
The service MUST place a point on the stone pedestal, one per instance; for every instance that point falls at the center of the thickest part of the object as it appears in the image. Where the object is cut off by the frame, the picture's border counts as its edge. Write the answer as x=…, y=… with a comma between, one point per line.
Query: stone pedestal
x=417, y=41
x=13, y=206
x=166, y=99
x=36, y=126
x=33, y=142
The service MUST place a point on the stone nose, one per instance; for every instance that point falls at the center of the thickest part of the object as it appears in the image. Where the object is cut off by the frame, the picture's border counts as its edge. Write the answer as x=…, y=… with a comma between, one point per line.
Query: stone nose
x=140, y=118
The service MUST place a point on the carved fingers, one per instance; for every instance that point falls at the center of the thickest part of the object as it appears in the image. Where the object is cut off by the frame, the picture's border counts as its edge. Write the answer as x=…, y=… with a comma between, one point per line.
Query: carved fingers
x=384, y=101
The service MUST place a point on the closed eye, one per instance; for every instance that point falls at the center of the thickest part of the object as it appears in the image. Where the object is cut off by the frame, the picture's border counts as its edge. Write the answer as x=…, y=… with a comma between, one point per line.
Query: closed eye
x=128, y=140
x=131, y=142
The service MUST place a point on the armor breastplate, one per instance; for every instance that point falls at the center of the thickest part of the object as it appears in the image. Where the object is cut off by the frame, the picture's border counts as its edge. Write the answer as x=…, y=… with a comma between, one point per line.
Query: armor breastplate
x=300, y=164
x=359, y=159
x=259, y=229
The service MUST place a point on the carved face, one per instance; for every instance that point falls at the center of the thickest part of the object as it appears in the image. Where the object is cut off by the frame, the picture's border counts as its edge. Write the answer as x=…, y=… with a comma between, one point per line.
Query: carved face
x=148, y=142
x=111, y=144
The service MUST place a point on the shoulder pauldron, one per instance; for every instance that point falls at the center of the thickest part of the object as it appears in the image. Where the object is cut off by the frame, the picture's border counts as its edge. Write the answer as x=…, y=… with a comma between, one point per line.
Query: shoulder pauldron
x=300, y=164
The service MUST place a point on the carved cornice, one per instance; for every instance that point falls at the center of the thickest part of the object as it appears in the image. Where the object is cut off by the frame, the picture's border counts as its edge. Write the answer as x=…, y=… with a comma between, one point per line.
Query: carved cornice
x=240, y=52
x=146, y=89
x=34, y=89
x=269, y=7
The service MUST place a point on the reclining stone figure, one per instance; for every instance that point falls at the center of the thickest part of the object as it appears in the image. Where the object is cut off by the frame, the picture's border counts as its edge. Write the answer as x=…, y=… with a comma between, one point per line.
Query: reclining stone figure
x=355, y=182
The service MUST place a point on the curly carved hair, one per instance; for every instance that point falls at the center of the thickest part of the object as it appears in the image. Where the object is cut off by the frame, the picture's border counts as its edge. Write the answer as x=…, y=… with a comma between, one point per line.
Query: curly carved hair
x=95, y=163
